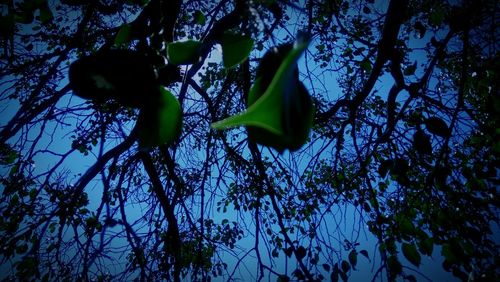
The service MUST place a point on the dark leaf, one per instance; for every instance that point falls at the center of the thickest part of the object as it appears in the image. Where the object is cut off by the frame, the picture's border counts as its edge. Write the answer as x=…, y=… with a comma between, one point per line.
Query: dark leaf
x=411, y=278
x=334, y=276
x=410, y=70
x=283, y=278
x=410, y=252
x=422, y=143
x=437, y=126
x=345, y=266
x=394, y=265
x=298, y=273
x=300, y=252
x=364, y=253
x=426, y=246
x=384, y=167
x=353, y=258
x=199, y=18
x=421, y=29
x=326, y=267
x=343, y=276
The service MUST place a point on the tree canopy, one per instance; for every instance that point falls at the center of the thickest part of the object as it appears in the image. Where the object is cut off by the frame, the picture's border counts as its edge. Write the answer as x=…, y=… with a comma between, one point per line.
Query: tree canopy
x=257, y=140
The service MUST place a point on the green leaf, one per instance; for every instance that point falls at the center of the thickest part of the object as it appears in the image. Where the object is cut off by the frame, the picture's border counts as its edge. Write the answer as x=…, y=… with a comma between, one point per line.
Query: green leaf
x=235, y=49
x=199, y=18
x=266, y=112
x=394, y=265
x=436, y=17
x=184, y=52
x=405, y=225
x=123, y=36
x=426, y=246
x=411, y=254
x=160, y=123
x=366, y=65
x=46, y=14
x=451, y=252
x=7, y=154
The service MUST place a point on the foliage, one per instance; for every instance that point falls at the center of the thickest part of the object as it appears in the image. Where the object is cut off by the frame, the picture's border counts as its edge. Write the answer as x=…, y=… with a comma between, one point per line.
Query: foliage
x=400, y=166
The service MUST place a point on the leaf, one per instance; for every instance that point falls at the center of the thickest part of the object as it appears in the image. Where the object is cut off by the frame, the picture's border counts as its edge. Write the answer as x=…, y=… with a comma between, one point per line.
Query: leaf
x=410, y=70
x=437, y=126
x=422, y=143
x=334, y=276
x=450, y=253
x=46, y=14
x=343, y=276
x=353, y=258
x=289, y=252
x=400, y=167
x=124, y=35
x=411, y=254
x=364, y=253
x=298, y=273
x=366, y=65
x=384, y=167
x=7, y=26
x=160, y=123
x=421, y=29
x=235, y=49
x=123, y=75
x=7, y=154
x=283, y=278
x=405, y=225
x=426, y=246
x=184, y=52
x=199, y=18
x=300, y=252
x=394, y=265
x=345, y=266
x=437, y=16
x=267, y=111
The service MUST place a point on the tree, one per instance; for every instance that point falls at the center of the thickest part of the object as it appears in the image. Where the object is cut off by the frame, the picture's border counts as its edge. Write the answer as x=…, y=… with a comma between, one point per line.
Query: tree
x=401, y=163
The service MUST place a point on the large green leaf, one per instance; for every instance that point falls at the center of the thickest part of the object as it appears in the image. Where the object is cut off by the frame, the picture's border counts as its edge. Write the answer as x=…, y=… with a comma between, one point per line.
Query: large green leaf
x=124, y=35
x=184, y=52
x=235, y=49
x=267, y=110
x=160, y=123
